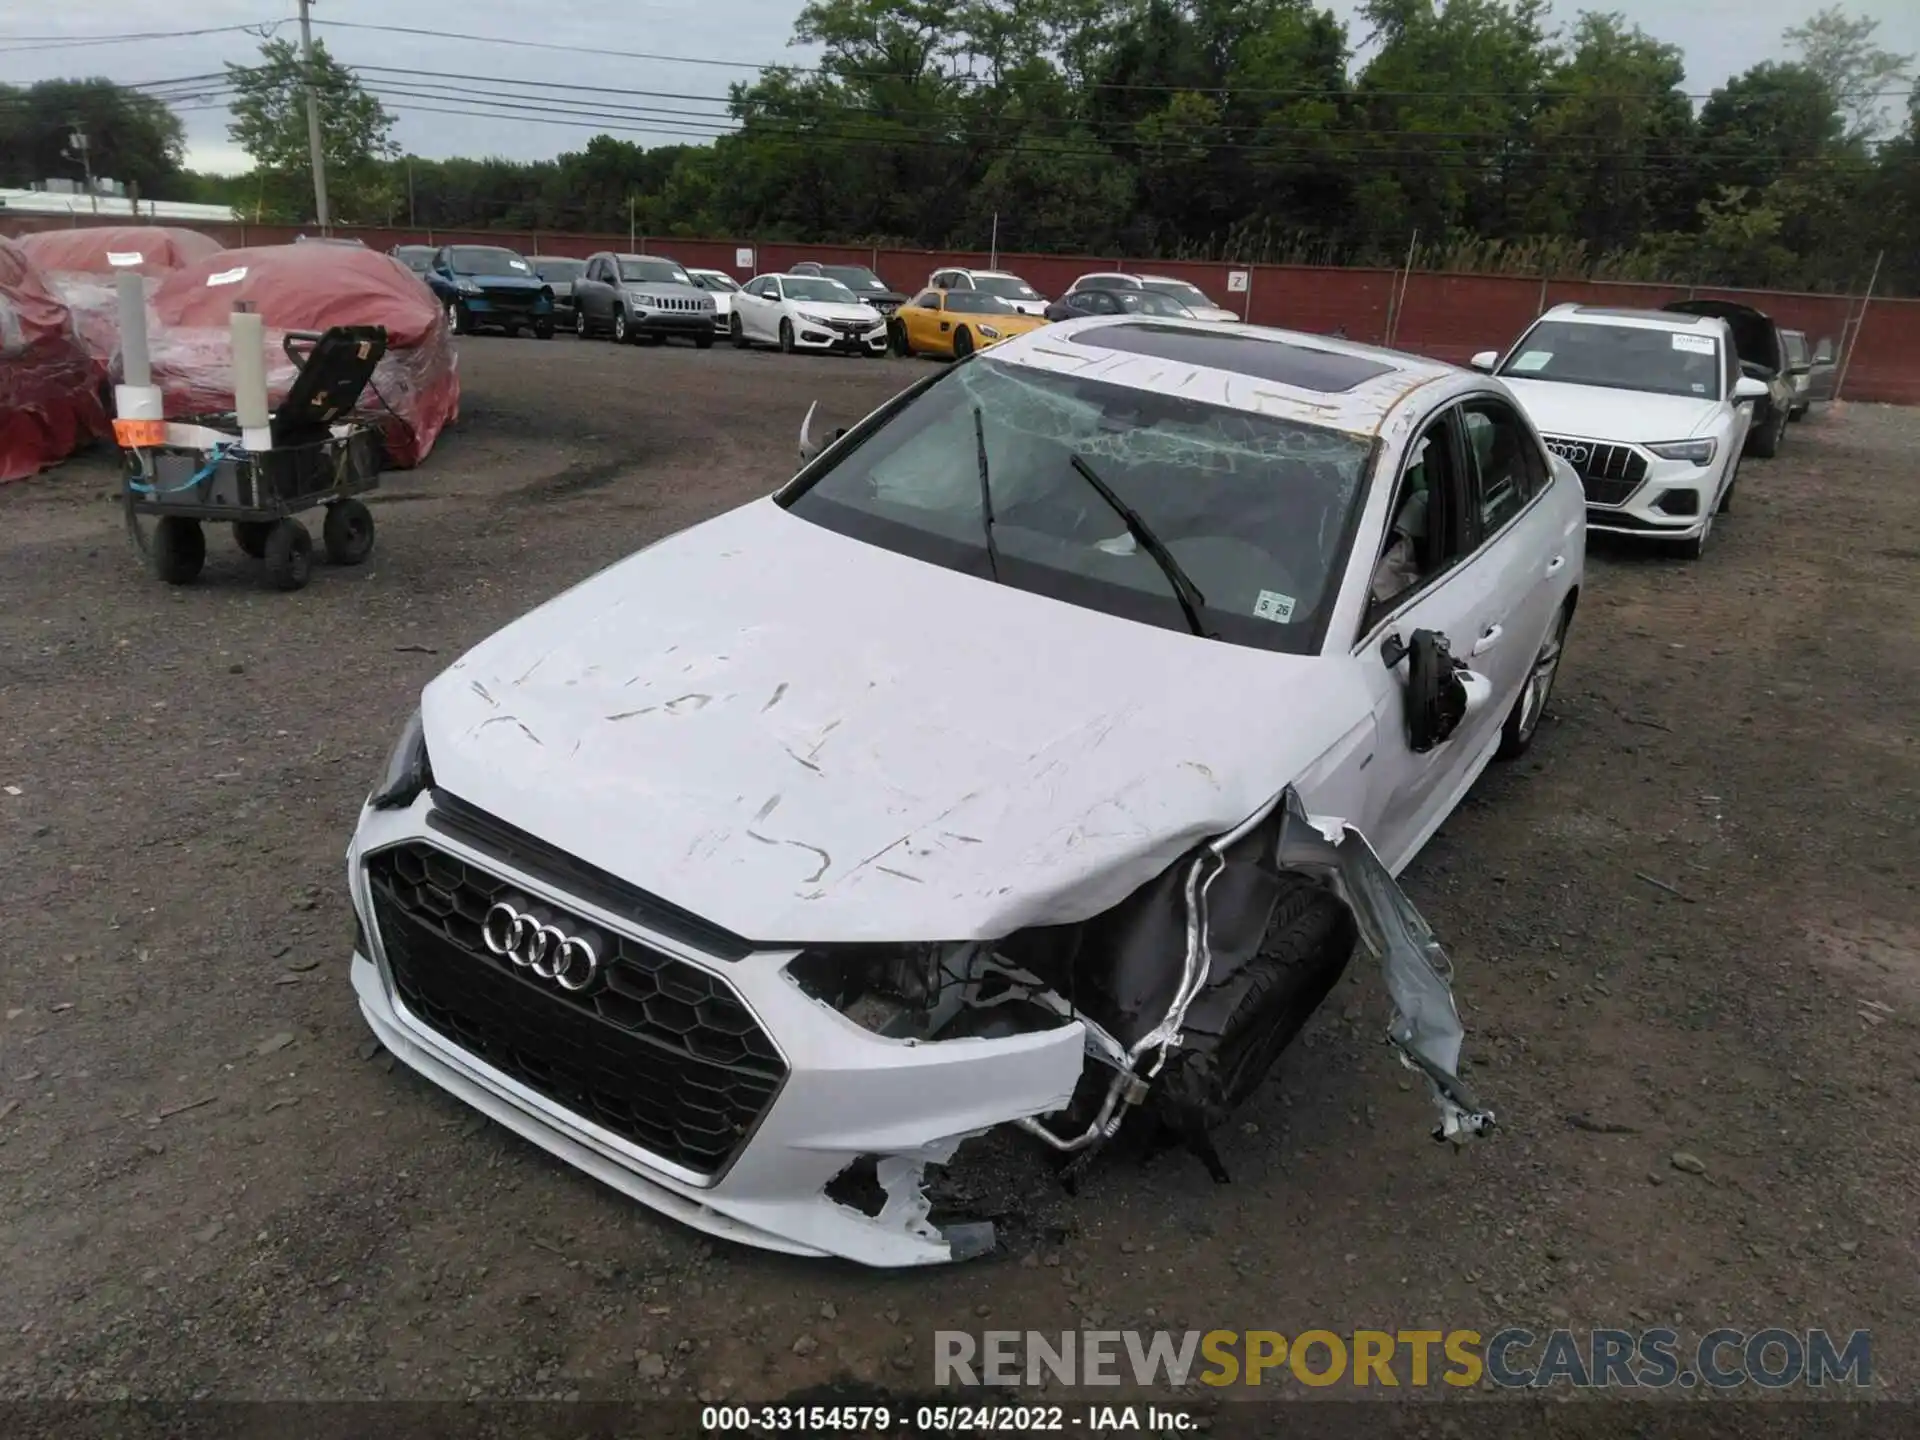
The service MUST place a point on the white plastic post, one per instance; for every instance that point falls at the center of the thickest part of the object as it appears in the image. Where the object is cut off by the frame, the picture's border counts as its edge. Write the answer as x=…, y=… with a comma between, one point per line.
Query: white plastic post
x=250, y=379
x=136, y=397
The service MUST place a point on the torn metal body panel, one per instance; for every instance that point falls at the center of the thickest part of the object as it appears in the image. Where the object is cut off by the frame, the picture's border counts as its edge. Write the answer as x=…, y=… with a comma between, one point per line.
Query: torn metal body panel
x=1419, y=976
x=924, y=800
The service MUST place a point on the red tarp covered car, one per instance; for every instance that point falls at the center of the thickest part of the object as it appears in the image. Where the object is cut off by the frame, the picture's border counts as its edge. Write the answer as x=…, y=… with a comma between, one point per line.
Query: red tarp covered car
x=49, y=388
x=81, y=262
x=416, y=389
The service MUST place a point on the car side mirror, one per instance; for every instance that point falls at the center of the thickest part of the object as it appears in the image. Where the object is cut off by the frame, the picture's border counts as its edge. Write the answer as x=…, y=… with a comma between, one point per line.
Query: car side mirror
x=1485, y=360
x=1747, y=388
x=809, y=447
x=1441, y=691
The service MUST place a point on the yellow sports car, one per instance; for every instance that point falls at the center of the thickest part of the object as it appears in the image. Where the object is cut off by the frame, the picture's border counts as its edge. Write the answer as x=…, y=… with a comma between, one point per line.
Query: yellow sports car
x=956, y=323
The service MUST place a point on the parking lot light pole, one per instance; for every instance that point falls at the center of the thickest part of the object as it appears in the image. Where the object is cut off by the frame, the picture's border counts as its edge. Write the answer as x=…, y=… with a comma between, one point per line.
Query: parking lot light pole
x=313, y=122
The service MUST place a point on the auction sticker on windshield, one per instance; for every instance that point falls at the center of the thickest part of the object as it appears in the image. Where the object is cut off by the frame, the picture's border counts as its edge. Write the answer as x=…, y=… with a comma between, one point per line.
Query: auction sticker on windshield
x=1532, y=360
x=1272, y=605
x=1694, y=344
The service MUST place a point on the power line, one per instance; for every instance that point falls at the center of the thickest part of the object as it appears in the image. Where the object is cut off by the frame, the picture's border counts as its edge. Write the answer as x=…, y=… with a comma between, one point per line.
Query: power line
x=1352, y=90
x=439, y=86
x=26, y=44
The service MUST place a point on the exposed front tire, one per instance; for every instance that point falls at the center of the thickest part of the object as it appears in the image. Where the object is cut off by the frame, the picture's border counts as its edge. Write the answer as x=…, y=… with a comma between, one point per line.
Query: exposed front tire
x=1523, y=721
x=786, y=337
x=736, y=332
x=620, y=335
x=458, y=320
x=1238, y=1026
x=1765, y=444
x=580, y=324
x=289, y=555
x=543, y=330
x=347, y=532
x=897, y=339
x=962, y=343
x=178, y=550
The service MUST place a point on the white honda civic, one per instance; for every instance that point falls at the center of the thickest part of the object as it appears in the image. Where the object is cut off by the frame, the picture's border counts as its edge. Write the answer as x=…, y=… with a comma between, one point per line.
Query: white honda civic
x=1034, y=758
x=806, y=312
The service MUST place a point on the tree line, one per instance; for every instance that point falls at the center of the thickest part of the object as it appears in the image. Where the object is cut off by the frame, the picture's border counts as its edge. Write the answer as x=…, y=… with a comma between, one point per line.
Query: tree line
x=1220, y=129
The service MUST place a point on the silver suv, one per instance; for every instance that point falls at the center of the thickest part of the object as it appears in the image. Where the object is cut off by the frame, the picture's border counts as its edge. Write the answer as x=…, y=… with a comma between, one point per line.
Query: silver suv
x=641, y=298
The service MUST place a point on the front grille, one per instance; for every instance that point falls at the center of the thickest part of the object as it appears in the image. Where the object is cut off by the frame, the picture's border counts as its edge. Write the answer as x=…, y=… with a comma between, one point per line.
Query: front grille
x=658, y=1051
x=672, y=302
x=1608, y=473
x=853, y=327
x=514, y=298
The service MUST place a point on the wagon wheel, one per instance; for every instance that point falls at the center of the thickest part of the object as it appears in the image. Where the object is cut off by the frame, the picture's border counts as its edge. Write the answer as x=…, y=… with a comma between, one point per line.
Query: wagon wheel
x=289, y=555
x=347, y=532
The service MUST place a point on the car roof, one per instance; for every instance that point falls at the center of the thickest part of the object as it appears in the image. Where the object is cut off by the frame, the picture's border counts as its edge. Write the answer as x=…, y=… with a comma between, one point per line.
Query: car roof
x=663, y=259
x=1313, y=379
x=1626, y=315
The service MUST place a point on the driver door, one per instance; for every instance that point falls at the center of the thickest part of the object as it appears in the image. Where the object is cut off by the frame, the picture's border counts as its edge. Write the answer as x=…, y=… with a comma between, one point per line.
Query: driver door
x=1413, y=790
x=921, y=316
x=752, y=305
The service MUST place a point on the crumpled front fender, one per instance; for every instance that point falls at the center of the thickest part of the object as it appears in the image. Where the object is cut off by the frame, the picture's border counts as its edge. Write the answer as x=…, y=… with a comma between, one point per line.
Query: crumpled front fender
x=1426, y=1027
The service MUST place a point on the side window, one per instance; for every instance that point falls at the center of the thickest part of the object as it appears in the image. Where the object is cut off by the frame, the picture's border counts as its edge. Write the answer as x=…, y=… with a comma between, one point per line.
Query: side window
x=1425, y=534
x=928, y=301
x=1731, y=359
x=1498, y=453
x=1101, y=302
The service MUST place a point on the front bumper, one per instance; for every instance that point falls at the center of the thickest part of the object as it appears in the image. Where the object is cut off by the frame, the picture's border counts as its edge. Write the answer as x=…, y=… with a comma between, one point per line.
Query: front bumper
x=672, y=322
x=821, y=337
x=1632, y=491
x=847, y=1093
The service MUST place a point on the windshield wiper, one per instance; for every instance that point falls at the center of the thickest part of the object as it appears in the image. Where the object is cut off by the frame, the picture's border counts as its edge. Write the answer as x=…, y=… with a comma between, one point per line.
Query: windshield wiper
x=1184, y=590
x=986, y=493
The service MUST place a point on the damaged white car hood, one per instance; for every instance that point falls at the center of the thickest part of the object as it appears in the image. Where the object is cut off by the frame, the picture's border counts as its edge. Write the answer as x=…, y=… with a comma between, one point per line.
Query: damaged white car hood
x=805, y=738
x=1594, y=412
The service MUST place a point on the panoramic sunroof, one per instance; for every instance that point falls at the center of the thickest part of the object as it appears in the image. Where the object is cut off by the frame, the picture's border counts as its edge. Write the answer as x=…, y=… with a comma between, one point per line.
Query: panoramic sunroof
x=1265, y=359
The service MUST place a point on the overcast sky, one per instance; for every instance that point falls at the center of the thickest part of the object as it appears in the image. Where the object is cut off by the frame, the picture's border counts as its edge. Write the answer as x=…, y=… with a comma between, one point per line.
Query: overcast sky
x=1719, y=38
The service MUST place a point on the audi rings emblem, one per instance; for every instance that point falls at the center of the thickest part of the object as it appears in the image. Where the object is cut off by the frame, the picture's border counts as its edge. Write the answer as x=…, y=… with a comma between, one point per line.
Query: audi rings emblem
x=1569, y=451
x=547, y=950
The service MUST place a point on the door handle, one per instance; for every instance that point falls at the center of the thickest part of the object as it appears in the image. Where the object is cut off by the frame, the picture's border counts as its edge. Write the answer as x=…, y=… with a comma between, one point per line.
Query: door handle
x=1489, y=638
x=1554, y=565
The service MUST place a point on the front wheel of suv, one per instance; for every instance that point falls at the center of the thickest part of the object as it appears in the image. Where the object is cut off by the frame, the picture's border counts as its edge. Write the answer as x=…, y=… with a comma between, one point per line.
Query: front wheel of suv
x=620, y=335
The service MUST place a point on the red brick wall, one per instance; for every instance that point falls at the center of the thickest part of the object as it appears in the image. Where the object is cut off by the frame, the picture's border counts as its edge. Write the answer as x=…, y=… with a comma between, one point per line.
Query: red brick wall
x=1445, y=316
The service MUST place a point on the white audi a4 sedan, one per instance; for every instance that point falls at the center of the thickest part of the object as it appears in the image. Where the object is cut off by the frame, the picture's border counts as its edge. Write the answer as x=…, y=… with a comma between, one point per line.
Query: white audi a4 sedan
x=1648, y=406
x=1034, y=758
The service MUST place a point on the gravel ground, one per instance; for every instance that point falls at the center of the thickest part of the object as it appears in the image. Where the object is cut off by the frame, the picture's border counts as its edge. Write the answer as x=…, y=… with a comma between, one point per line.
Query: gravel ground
x=1688, y=920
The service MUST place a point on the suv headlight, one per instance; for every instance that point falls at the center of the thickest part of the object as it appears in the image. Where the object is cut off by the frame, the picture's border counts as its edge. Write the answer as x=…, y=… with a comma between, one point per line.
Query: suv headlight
x=407, y=772
x=1694, y=452
x=467, y=287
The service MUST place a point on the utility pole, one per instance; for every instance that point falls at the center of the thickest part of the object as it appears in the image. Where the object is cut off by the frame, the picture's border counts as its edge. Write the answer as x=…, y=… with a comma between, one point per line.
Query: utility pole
x=313, y=121
x=77, y=149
